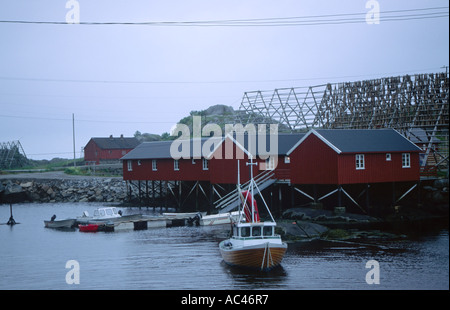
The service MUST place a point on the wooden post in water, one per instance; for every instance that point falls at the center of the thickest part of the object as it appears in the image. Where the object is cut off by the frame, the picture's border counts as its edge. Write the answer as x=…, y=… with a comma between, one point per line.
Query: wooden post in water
x=11, y=220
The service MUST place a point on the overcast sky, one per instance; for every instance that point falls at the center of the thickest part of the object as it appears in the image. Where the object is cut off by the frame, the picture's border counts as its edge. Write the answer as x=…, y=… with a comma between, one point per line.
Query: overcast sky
x=118, y=78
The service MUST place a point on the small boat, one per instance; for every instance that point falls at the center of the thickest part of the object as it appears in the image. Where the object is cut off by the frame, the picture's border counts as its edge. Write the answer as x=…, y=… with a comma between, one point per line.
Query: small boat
x=253, y=243
x=61, y=224
x=186, y=215
x=88, y=227
x=224, y=219
x=100, y=214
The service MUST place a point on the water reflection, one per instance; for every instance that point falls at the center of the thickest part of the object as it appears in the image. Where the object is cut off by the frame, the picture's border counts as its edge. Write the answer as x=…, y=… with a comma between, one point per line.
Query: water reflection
x=254, y=279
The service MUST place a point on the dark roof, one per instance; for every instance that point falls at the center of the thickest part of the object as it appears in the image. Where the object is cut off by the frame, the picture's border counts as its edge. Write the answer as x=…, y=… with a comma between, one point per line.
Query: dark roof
x=366, y=140
x=116, y=143
x=161, y=149
x=285, y=142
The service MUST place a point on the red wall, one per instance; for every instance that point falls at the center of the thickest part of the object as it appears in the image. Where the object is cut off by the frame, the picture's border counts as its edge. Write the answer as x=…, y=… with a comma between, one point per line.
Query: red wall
x=91, y=148
x=142, y=170
x=377, y=169
x=313, y=162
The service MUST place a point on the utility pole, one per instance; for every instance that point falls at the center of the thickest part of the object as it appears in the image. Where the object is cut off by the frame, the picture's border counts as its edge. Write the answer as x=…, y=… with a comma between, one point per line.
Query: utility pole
x=73, y=131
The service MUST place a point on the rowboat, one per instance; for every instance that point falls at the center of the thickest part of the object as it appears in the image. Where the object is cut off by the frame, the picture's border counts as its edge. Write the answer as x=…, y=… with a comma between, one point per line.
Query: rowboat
x=253, y=243
x=60, y=224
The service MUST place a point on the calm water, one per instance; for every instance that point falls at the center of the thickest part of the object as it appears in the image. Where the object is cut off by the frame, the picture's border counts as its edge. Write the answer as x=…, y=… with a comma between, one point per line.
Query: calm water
x=34, y=257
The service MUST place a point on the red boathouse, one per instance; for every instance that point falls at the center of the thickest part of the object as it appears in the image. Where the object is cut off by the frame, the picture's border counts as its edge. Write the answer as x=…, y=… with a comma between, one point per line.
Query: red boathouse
x=107, y=150
x=308, y=168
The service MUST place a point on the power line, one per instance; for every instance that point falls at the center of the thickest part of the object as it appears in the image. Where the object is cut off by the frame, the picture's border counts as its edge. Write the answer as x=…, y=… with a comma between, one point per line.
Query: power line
x=6, y=78
x=329, y=19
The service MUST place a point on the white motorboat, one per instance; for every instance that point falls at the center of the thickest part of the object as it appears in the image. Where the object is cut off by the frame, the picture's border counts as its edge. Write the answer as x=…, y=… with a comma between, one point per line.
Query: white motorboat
x=100, y=214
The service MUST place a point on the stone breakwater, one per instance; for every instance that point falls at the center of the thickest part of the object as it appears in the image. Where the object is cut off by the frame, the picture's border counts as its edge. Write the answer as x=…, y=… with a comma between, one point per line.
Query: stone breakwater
x=63, y=190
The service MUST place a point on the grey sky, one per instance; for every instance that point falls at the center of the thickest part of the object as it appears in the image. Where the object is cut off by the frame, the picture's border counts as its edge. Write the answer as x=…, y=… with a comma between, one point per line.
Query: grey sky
x=117, y=79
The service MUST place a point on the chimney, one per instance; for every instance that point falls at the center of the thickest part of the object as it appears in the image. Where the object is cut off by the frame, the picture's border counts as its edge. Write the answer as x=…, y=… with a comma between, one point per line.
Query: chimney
x=110, y=136
x=121, y=136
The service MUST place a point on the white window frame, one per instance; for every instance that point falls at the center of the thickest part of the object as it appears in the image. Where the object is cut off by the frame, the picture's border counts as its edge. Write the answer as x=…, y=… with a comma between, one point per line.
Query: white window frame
x=176, y=165
x=205, y=164
x=270, y=163
x=130, y=165
x=360, y=162
x=154, y=165
x=406, y=160
x=287, y=160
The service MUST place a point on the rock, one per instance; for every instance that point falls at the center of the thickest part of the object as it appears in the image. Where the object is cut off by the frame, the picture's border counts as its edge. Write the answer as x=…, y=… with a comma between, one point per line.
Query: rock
x=13, y=189
x=301, y=229
x=441, y=183
x=26, y=184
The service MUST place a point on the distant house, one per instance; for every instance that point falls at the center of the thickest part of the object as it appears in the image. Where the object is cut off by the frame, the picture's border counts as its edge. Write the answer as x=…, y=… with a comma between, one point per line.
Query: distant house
x=107, y=150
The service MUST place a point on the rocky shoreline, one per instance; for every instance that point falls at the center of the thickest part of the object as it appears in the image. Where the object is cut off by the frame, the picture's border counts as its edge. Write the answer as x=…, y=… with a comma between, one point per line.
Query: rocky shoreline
x=63, y=190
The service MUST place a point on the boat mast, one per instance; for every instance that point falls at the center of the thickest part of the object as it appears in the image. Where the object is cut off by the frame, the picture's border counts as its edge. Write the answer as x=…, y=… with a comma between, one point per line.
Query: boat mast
x=252, y=185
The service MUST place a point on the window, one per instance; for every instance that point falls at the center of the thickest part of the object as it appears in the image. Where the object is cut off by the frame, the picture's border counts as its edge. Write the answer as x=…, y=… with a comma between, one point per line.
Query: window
x=406, y=160
x=270, y=163
x=130, y=165
x=245, y=231
x=359, y=161
x=154, y=165
x=388, y=156
x=193, y=161
x=268, y=231
x=256, y=231
x=287, y=160
x=205, y=164
x=176, y=165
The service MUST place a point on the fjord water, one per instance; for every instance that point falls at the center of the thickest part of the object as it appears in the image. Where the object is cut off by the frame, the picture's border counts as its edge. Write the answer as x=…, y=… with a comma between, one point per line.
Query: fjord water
x=188, y=258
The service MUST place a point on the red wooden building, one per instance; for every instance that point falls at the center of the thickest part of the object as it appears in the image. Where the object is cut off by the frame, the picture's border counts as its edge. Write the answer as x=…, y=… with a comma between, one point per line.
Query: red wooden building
x=106, y=150
x=216, y=162
x=324, y=159
x=354, y=157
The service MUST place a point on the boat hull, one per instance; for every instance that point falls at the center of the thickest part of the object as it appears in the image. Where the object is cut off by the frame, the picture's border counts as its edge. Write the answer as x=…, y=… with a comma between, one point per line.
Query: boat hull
x=88, y=228
x=264, y=256
x=61, y=224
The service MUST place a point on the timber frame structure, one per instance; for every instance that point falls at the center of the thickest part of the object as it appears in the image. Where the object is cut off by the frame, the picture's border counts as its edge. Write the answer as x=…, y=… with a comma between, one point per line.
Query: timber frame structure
x=11, y=154
x=414, y=105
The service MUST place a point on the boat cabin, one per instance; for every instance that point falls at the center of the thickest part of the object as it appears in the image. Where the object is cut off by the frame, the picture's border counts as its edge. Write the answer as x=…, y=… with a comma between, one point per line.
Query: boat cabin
x=254, y=230
x=109, y=212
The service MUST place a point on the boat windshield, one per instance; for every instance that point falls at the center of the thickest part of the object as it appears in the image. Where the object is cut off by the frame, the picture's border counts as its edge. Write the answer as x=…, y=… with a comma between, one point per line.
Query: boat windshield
x=256, y=231
x=268, y=231
x=245, y=231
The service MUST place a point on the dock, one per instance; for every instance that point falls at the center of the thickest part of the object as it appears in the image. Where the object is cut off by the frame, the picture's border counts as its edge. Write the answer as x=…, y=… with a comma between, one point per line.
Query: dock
x=141, y=222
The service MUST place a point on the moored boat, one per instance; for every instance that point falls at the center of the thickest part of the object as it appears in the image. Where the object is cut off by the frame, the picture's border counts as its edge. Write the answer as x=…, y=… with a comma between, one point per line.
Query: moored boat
x=100, y=215
x=88, y=227
x=253, y=244
x=224, y=219
x=60, y=224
